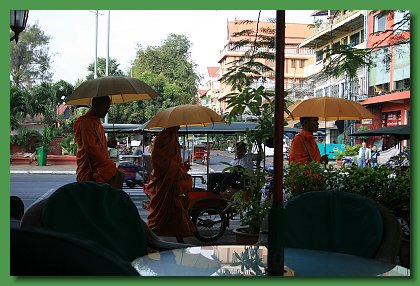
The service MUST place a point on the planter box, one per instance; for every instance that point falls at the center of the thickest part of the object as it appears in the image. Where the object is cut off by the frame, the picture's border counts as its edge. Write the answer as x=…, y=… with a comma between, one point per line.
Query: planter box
x=61, y=160
x=19, y=159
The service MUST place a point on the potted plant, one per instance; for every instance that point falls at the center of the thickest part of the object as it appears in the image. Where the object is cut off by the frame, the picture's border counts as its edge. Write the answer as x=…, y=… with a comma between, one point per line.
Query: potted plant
x=339, y=158
x=247, y=202
x=248, y=205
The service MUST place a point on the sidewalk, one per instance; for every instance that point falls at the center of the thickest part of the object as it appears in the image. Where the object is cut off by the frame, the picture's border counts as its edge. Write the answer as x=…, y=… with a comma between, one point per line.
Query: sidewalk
x=70, y=169
x=49, y=169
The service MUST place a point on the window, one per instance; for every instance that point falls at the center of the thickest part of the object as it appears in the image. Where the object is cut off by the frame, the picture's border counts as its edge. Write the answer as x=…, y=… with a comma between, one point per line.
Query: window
x=354, y=39
x=302, y=64
x=402, y=84
x=335, y=46
x=334, y=90
x=401, y=21
x=319, y=55
x=379, y=23
x=293, y=63
x=344, y=41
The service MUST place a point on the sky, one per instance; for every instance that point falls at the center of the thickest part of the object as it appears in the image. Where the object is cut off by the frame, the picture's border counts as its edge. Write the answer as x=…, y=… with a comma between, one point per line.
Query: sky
x=72, y=34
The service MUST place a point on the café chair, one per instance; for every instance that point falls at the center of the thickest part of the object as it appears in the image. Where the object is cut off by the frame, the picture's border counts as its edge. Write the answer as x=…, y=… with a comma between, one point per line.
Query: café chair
x=100, y=213
x=341, y=222
x=41, y=252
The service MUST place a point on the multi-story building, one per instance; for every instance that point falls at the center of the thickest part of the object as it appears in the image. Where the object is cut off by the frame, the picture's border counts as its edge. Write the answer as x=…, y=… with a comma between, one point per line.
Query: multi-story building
x=210, y=98
x=296, y=58
x=383, y=87
x=333, y=28
x=389, y=79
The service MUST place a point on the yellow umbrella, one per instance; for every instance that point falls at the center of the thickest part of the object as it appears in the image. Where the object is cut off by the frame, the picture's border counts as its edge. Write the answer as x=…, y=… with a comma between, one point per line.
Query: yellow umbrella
x=329, y=108
x=121, y=89
x=185, y=115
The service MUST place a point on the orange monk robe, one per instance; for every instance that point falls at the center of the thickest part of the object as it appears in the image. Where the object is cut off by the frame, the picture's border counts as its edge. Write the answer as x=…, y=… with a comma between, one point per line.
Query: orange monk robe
x=92, y=146
x=299, y=153
x=168, y=180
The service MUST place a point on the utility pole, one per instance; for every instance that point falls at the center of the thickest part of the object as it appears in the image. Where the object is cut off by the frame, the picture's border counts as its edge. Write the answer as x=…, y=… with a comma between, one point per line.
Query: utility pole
x=107, y=56
x=95, y=69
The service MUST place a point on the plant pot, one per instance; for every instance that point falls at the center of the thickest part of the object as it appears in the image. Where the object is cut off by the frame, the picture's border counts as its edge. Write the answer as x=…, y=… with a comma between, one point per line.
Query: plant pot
x=245, y=238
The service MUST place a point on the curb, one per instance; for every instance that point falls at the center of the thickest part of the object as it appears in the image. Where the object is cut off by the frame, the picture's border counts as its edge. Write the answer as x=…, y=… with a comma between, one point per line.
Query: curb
x=42, y=172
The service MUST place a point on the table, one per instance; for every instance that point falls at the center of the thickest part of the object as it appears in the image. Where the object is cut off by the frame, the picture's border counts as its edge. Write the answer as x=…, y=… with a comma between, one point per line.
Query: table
x=227, y=260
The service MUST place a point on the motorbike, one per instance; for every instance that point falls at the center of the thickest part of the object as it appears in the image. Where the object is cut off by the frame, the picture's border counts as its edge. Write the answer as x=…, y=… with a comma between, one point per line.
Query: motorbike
x=267, y=189
x=348, y=161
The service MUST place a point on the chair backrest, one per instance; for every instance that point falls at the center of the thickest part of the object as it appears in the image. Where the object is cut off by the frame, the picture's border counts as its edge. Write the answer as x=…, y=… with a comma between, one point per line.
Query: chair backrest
x=97, y=212
x=389, y=249
x=333, y=221
x=38, y=252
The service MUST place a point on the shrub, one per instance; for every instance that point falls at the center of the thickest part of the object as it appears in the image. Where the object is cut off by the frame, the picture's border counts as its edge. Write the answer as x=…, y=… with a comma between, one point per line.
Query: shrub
x=390, y=188
x=303, y=178
x=23, y=138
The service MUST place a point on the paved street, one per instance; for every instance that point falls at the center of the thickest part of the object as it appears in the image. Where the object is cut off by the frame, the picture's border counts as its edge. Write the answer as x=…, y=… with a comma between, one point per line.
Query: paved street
x=30, y=182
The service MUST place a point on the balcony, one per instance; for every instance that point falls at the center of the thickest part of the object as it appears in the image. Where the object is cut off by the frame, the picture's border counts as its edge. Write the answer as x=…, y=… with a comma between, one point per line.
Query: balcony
x=231, y=50
x=341, y=26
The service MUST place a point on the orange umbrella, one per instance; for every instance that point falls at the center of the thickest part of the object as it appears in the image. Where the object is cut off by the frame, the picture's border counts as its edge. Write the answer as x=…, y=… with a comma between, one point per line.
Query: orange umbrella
x=329, y=108
x=185, y=115
x=121, y=89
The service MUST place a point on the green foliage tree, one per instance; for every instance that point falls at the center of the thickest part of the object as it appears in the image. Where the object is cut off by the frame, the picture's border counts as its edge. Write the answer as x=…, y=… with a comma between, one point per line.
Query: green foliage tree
x=172, y=59
x=101, y=68
x=41, y=100
x=169, y=70
x=30, y=59
x=17, y=106
x=62, y=89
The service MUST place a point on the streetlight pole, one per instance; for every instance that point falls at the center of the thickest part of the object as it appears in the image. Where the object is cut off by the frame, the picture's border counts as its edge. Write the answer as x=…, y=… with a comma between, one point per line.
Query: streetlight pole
x=107, y=56
x=95, y=71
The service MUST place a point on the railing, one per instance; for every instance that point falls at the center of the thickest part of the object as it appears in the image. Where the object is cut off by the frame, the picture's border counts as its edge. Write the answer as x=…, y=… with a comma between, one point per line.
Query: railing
x=336, y=19
x=230, y=48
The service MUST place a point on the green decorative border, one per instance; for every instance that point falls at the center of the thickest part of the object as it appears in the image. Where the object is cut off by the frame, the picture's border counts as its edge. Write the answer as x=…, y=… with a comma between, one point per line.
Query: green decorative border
x=6, y=5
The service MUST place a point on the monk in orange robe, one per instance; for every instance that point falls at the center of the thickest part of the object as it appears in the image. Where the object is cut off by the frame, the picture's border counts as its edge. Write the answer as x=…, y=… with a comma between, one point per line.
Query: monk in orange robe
x=303, y=148
x=93, y=162
x=169, y=184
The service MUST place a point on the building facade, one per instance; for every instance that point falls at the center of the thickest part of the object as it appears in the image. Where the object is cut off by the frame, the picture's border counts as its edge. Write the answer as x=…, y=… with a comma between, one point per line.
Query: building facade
x=389, y=79
x=384, y=87
x=331, y=29
x=296, y=58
